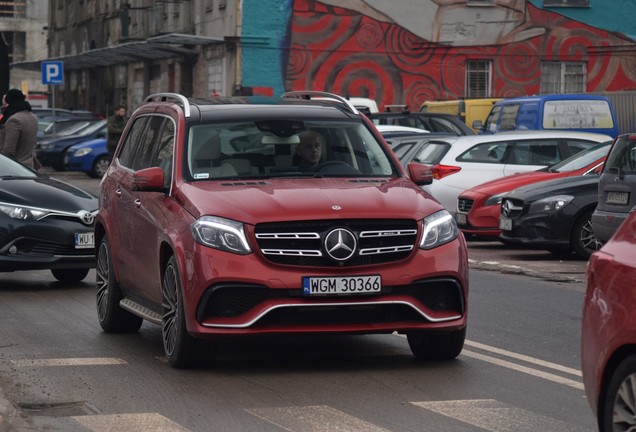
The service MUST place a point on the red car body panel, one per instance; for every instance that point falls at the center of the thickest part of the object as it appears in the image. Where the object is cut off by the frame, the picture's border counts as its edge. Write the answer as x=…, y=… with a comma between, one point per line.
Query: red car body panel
x=609, y=322
x=483, y=219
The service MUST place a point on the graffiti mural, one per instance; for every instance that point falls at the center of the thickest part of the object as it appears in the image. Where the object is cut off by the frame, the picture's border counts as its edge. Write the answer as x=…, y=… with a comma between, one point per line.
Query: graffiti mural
x=417, y=51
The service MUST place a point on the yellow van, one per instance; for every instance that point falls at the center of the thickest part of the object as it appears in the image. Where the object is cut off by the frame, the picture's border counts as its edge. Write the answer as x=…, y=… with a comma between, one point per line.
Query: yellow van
x=468, y=110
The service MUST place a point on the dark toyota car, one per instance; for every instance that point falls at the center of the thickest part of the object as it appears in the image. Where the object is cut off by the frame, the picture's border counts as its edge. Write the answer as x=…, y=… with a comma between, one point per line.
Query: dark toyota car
x=44, y=224
x=553, y=215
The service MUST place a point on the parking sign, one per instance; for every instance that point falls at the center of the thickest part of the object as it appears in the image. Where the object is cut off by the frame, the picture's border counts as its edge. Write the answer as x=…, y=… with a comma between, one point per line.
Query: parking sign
x=52, y=72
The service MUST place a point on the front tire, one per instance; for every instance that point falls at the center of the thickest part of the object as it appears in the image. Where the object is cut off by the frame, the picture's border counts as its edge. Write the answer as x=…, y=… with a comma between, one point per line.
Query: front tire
x=112, y=318
x=582, y=240
x=436, y=345
x=617, y=411
x=182, y=350
x=69, y=275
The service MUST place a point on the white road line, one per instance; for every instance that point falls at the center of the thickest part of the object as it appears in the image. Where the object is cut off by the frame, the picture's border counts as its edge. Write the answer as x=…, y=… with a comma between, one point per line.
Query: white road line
x=318, y=418
x=524, y=369
x=129, y=422
x=495, y=416
x=524, y=358
x=89, y=361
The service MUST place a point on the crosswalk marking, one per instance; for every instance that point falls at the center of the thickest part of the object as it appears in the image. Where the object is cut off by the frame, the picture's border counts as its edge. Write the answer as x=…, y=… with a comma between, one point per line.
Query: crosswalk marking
x=495, y=416
x=87, y=361
x=317, y=418
x=129, y=423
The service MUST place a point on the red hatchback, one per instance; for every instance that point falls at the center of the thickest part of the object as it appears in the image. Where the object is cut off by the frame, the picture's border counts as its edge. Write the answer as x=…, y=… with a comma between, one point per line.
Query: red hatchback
x=478, y=208
x=235, y=217
x=608, y=339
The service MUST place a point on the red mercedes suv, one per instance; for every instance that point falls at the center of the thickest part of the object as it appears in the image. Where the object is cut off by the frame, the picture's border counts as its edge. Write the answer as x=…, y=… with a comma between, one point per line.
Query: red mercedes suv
x=246, y=216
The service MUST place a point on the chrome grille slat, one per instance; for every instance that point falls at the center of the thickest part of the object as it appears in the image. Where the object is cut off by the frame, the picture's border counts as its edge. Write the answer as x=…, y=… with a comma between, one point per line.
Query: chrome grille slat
x=393, y=249
x=287, y=236
x=288, y=252
x=387, y=233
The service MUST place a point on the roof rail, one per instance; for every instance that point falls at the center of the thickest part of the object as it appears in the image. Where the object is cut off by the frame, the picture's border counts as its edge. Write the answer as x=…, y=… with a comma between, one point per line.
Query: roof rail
x=320, y=95
x=181, y=99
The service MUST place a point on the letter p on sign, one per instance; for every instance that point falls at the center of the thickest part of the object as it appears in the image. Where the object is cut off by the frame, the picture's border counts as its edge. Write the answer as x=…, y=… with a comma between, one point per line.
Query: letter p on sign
x=52, y=72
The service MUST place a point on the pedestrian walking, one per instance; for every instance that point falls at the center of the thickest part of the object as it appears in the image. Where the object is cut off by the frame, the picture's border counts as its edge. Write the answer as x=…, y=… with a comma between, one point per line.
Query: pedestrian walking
x=116, y=125
x=18, y=129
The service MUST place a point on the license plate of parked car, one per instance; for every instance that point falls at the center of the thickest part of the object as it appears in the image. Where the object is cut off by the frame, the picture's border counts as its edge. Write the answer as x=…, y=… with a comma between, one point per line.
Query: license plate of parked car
x=84, y=240
x=321, y=286
x=505, y=224
x=617, y=198
x=460, y=218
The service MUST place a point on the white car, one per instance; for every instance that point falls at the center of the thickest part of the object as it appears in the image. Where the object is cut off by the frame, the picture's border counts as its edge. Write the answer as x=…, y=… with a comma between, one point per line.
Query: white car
x=462, y=162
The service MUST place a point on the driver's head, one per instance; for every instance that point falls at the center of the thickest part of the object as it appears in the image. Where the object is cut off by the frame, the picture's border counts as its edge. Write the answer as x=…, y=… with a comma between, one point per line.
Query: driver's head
x=310, y=147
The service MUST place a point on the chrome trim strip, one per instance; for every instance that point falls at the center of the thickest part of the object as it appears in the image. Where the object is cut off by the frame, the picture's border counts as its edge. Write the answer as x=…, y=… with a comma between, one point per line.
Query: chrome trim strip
x=291, y=252
x=287, y=236
x=314, y=305
x=388, y=249
x=387, y=233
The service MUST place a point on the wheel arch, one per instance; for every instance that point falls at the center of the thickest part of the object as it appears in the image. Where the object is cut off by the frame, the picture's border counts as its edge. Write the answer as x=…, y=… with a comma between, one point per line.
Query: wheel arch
x=610, y=366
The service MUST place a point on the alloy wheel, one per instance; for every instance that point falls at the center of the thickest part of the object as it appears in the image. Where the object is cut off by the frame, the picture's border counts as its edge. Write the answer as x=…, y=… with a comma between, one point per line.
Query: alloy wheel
x=170, y=311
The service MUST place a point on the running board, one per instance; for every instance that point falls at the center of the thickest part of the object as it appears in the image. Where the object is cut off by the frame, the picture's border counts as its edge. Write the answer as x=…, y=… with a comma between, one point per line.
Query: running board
x=141, y=311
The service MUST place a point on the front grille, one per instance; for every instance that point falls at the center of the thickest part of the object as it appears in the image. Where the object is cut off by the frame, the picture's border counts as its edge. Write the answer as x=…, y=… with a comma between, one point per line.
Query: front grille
x=464, y=204
x=511, y=208
x=232, y=300
x=36, y=247
x=303, y=243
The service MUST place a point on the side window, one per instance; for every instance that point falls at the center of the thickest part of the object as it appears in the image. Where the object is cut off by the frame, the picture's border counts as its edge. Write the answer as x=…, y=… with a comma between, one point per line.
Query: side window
x=444, y=125
x=126, y=156
x=509, y=117
x=164, y=150
x=143, y=155
x=485, y=152
x=536, y=152
x=575, y=146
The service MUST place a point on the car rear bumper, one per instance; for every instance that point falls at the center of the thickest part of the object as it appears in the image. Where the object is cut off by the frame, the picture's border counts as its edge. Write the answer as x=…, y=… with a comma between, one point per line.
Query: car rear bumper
x=605, y=224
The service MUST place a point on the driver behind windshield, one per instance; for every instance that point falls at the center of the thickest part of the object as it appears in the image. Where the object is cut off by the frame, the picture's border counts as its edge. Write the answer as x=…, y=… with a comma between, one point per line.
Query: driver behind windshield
x=309, y=150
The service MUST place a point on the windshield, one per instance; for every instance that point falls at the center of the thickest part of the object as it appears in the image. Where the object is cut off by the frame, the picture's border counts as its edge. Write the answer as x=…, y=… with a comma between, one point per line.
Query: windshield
x=11, y=168
x=285, y=148
x=582, y=159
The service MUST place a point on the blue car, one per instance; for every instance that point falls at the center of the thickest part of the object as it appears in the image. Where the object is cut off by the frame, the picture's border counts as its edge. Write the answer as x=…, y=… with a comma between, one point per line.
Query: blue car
x=52, y=151
x=90, y=157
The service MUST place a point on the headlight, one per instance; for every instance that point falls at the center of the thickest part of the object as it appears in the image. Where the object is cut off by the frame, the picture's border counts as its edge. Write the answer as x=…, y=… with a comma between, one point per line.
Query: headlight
x=220, y=233
x=550, y=204
x=439, y=228
x=22, y=212
x=494, y=200
x=82, y=152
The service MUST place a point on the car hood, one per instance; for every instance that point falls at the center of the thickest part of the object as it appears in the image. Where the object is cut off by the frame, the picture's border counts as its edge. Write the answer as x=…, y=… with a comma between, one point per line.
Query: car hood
x=276, y=200
x=561, y=186
x=45, y=192
x=514, y=181
x=94, y=143
x=65, y=140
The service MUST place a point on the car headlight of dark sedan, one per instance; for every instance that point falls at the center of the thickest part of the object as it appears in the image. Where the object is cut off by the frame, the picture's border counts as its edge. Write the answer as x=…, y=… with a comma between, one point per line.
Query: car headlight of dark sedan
x=220, y=233
x=439, y=228
x=23, y=212
x=551, y=204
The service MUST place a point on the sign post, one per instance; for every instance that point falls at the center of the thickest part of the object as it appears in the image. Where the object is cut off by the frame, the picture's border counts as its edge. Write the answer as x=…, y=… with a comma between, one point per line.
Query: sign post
x=53, y=74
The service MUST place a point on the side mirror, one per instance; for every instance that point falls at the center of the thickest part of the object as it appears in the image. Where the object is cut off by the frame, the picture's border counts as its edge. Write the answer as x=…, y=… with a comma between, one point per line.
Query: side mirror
x=420, y=174
x=148, y=180
x=477, y=124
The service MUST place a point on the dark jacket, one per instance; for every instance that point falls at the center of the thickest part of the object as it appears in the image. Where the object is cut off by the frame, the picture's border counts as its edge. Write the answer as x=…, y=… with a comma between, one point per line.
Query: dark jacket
x=18, y=135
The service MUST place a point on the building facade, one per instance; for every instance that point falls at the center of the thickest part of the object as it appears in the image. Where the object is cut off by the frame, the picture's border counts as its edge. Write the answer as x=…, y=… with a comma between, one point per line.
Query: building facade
x=23, y=31
x=407, y=52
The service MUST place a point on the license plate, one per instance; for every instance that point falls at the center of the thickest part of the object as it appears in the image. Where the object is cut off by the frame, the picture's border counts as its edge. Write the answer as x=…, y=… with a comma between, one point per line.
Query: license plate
x=460, y=218
x=505, y=224
x=84, y=240
x=326, y=286
x=621, y=198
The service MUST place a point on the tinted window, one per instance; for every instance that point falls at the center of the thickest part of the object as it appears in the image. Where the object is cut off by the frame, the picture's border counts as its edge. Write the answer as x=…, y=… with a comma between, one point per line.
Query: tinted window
x=508, y=117
x=126, y=155
x=622, y=156
x=536, y=152
x=582, y=159
x=485, y=152
x=431, y=153
x=143, y=155
x=491, y=121
x=440, y=124
x=164, y=150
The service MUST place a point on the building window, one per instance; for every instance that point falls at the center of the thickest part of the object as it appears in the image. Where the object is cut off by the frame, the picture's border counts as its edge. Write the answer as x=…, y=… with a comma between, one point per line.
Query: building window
x=478, y=79
x=562, y=77
x=12, y=9
x=566, y=3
